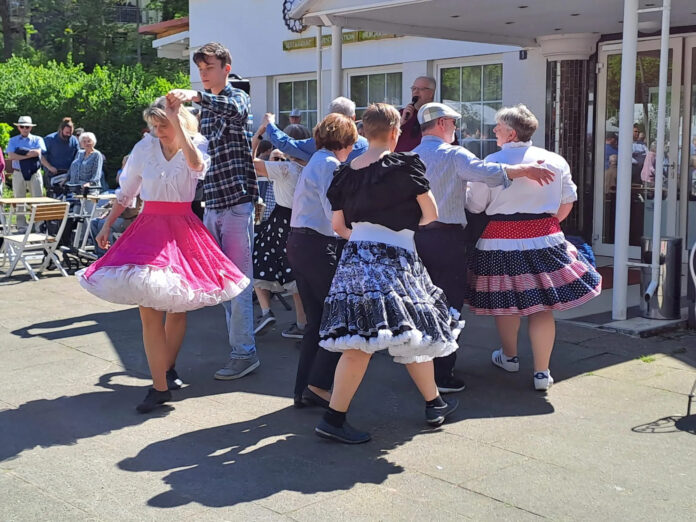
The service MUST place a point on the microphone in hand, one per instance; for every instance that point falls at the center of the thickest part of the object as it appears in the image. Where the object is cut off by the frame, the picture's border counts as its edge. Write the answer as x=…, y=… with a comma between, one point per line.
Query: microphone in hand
x=409, y=110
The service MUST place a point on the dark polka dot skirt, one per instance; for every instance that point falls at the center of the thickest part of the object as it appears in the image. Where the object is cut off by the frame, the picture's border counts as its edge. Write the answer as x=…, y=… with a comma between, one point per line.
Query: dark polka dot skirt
x=270, y=255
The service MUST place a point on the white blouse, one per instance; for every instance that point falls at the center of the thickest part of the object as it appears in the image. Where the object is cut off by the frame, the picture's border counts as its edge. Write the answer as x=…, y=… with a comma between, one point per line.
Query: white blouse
x=150, y=175
x=524, y=195
x=284, y=175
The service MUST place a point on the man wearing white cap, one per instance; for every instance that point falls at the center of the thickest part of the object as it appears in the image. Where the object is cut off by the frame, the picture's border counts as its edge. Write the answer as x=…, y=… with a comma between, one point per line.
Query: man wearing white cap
x=442, y=243
x=25, y=152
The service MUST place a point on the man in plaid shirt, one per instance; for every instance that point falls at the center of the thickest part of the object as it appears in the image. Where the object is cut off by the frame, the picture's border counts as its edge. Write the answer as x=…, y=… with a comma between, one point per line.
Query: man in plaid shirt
x=231, y=190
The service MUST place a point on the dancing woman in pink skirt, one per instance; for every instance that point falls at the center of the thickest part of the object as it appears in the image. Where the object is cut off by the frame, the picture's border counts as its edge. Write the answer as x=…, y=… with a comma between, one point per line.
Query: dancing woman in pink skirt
x=166, y=262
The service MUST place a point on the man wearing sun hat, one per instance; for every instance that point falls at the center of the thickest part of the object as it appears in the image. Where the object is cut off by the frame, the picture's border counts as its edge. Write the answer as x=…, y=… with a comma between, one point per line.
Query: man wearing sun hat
x=24, y=150
x=448, y=169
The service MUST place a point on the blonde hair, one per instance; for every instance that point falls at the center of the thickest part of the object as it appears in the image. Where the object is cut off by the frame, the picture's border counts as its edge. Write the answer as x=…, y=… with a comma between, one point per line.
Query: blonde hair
x=379, y=119
x=335, y=132
x=157, y=111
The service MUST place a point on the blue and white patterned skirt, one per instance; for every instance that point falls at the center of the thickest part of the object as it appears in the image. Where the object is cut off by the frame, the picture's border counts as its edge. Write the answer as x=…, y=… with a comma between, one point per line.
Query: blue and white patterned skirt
x=382, y=298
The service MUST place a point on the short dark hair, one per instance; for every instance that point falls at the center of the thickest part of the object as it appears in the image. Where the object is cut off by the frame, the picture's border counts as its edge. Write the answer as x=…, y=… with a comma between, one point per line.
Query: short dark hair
x=66, y=122
x=215, y=50
x=263, y=146
x=297, y=131
x=428, y=125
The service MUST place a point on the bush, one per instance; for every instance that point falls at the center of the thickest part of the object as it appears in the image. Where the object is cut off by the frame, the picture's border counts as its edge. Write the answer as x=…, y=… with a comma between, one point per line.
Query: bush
x=5, y=132
x=108, y=101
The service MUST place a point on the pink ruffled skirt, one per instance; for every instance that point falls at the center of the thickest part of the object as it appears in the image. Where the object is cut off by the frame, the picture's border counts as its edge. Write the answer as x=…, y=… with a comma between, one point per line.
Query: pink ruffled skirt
x=166, y=260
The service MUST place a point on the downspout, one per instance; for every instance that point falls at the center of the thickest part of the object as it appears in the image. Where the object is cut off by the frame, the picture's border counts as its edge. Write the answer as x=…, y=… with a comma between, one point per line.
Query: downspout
x=660, y=152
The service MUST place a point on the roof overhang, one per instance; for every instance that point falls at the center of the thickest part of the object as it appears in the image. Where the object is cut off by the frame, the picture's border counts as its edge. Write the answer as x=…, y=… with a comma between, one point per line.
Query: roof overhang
x=172, y=38
x=517, y=22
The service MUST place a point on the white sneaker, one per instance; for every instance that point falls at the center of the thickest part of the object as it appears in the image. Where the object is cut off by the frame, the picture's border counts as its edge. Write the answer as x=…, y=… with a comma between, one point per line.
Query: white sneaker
x=509, y=364
x=543, y=380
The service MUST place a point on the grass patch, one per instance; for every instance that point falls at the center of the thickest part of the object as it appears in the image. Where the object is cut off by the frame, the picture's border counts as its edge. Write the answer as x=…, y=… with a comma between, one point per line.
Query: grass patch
x=646, y=358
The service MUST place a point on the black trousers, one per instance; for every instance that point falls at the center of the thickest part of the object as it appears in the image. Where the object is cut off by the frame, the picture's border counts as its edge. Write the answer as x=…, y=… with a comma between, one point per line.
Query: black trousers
x=313, y=259
x=444, y=254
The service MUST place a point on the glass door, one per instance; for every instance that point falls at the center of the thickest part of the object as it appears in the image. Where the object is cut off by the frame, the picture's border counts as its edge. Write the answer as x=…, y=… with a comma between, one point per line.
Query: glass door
x=644, y=144
x=688, y=164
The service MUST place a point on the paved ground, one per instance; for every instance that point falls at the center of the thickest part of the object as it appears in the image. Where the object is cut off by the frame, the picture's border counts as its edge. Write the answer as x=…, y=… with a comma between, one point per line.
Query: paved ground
x=608, y=442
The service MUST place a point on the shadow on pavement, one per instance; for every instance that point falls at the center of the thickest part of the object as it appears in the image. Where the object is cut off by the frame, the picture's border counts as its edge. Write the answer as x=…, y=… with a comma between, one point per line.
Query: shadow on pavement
x=261, y=457
x=671, y=424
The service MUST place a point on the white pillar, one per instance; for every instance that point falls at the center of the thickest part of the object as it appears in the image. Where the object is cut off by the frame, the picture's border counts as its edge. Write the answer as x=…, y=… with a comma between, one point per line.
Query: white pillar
x=336, y=61
x=320, y=66
x=623, y=181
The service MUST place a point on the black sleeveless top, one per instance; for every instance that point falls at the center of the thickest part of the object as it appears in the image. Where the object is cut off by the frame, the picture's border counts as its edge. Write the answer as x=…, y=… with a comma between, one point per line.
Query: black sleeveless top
x=383, y=193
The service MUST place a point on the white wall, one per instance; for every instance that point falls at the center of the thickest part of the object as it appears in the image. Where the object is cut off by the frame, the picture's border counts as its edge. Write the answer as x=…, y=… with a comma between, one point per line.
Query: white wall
x=254, y=30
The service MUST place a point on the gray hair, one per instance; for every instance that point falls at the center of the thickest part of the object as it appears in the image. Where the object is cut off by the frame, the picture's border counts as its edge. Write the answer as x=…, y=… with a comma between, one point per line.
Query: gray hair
x=88, y=135
x=342, y=105
x=520, y=119
x=430, y=79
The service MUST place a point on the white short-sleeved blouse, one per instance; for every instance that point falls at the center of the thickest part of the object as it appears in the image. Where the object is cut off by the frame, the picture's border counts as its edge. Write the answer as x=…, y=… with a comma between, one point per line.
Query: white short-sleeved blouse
x=524, y=195
x=284, y=175
x=150, y=175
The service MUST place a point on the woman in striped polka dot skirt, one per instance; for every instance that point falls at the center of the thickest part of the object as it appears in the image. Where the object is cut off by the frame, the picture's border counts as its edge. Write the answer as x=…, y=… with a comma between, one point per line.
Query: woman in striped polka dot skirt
x=522, y=264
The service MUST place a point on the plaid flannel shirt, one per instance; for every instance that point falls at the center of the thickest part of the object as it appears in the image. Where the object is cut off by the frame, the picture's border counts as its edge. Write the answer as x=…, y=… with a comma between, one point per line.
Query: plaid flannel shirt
x=231, y=179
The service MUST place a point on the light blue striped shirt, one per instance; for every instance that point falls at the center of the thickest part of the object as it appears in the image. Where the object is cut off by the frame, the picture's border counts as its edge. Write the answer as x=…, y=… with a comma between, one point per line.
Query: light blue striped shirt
x=448, y=168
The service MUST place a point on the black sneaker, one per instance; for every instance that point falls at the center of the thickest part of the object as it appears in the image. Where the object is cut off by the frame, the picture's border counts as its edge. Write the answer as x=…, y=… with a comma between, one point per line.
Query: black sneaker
x=153, y=399
x=264, y=321
x=435, y=415
x=173, y=380
x=451, y=385
x=345, y=434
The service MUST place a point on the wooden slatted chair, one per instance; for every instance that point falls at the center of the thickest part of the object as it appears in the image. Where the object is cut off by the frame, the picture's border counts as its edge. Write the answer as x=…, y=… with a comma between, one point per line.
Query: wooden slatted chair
x=20, y=247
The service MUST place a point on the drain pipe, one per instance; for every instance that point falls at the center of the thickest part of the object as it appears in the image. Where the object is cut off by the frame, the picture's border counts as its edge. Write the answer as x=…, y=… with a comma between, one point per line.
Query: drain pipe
x=660, y=152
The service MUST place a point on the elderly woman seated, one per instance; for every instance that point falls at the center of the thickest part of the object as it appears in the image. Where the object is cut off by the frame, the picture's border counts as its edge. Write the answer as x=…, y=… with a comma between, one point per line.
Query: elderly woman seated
x=86, y=169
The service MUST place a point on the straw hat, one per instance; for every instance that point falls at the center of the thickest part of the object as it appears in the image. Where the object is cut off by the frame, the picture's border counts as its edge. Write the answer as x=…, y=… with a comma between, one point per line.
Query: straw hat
x=25, y=121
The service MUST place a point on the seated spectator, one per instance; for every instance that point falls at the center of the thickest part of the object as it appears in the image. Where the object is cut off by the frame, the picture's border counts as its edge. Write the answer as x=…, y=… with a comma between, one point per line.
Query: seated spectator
x=86, y=170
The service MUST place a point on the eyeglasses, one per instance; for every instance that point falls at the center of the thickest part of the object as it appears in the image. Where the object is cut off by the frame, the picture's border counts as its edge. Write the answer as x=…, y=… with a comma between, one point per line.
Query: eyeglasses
x=414, y=88
x=278, y=159
x=24, y=126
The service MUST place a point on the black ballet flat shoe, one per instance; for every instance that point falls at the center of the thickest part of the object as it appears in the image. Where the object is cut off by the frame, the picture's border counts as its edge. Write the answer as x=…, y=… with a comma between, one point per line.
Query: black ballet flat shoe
x=346, y=434
x=298, y=402
x=154, y=399
x=312, y=399
x=173, y=380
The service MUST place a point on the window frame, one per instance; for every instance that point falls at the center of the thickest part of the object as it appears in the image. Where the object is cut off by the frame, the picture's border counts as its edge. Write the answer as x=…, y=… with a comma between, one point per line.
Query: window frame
x=473, y=61
x=373, y=70
x=286, y=78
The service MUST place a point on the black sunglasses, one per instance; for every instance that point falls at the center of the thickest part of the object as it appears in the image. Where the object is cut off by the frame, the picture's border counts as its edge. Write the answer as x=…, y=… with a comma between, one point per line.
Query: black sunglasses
x=278, y=159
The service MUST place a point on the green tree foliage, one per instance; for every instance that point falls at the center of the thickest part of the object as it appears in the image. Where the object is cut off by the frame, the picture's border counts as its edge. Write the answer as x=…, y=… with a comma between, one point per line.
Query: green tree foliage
x=108, y=101
x=5, y=133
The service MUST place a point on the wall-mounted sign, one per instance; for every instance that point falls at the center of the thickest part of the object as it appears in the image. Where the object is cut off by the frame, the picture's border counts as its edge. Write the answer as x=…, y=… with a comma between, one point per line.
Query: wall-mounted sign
x=348, y=37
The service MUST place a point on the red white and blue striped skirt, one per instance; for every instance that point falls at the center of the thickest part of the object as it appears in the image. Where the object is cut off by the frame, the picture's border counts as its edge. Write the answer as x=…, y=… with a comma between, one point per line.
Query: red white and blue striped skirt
x=522, y=264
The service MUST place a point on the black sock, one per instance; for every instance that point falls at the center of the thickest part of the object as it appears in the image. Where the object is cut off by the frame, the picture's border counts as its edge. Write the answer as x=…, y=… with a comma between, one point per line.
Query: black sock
x=335, y=418
x=437, y=401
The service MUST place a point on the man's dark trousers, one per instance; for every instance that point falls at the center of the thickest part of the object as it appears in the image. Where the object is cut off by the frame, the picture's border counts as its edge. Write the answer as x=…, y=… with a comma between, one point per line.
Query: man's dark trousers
x=443, y=250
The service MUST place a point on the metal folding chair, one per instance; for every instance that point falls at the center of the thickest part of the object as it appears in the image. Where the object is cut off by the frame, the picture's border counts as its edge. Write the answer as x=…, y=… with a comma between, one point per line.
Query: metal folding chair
x=22, y=247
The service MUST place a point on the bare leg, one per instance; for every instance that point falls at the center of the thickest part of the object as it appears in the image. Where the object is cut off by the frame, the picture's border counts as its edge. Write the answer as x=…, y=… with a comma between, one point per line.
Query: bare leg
x=349, y=374
x=508, y=328
x=264, y=297
x=423, y=374
x=174, y=330
x=542, y=334
x=155, y=341
x=299, y=310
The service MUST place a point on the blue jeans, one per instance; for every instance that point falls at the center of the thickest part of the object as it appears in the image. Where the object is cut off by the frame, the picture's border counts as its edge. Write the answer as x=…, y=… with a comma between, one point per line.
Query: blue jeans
x=233, y=229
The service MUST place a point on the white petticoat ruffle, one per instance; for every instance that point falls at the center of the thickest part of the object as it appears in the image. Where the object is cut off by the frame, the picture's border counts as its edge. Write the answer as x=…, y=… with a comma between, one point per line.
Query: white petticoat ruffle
x=406, y=348
x=155, y=287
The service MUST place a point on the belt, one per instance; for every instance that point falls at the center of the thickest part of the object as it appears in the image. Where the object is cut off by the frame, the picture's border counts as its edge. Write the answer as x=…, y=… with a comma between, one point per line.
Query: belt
x=307, y=231
x=435, y=225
